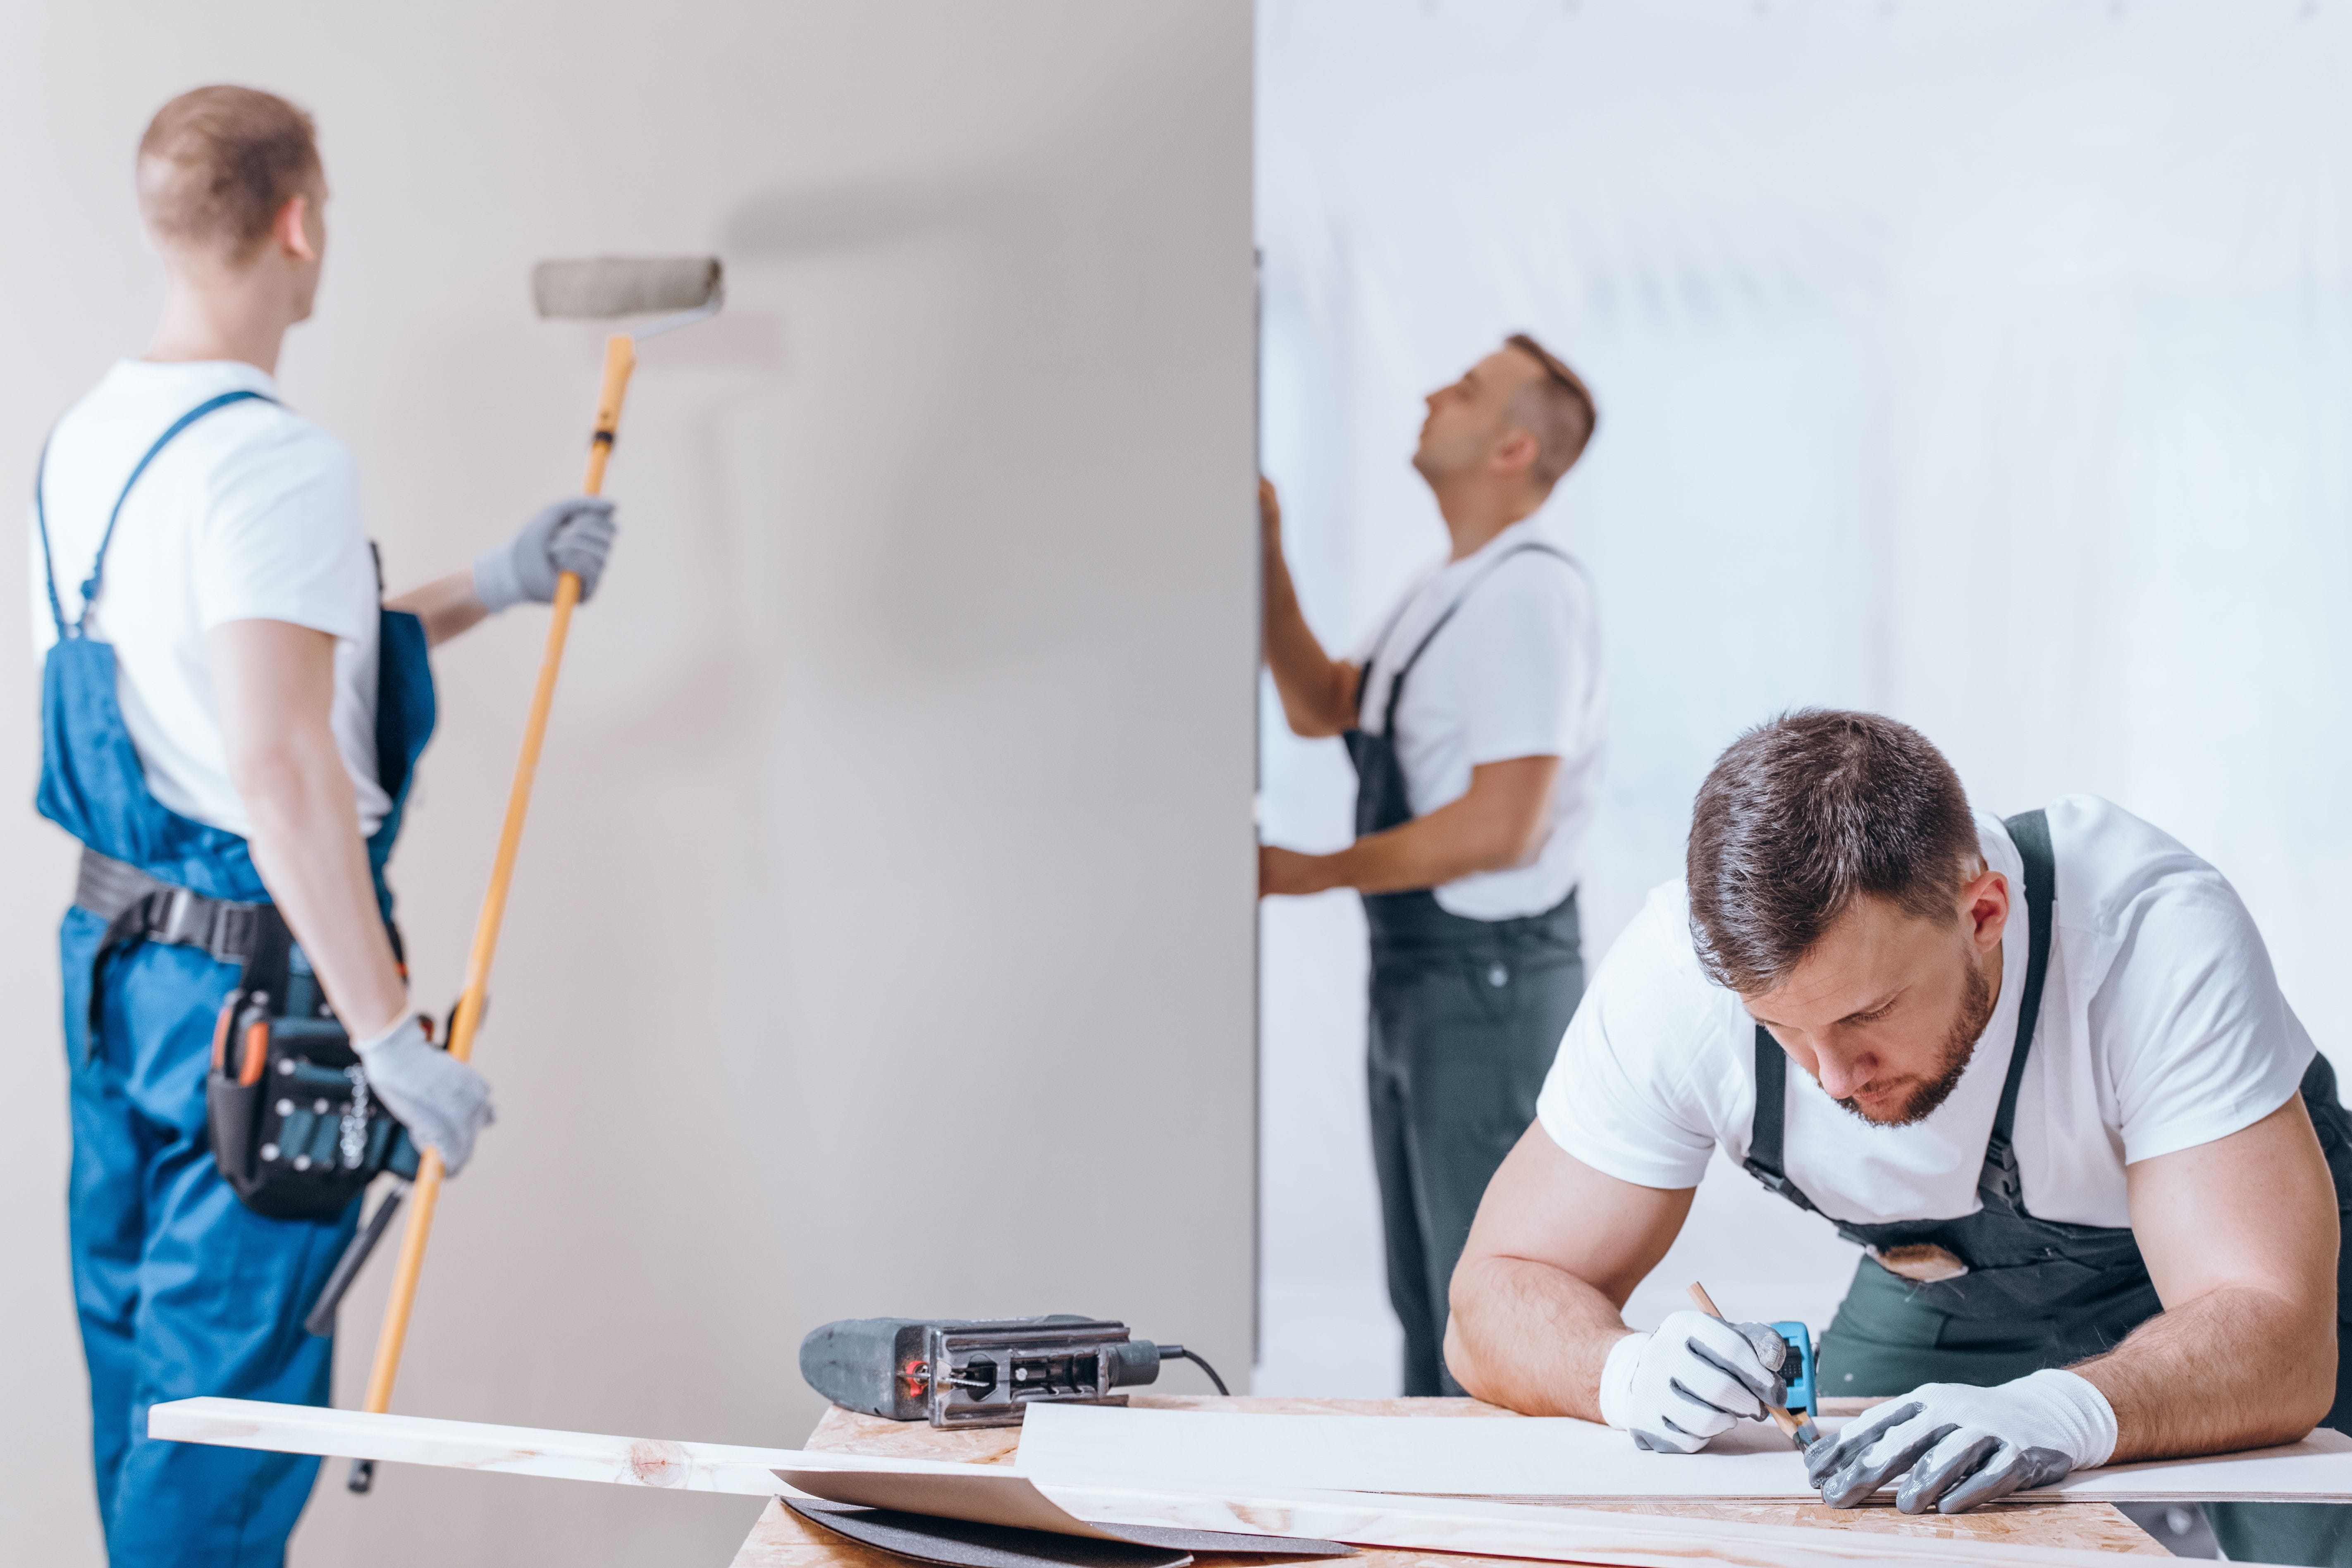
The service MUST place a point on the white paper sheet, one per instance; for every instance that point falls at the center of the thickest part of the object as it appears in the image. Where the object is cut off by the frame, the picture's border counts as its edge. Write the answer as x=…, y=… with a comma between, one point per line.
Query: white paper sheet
x=1498, y=1457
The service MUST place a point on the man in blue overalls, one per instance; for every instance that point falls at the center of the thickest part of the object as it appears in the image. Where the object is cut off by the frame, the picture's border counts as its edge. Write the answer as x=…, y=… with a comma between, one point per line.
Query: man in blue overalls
x=1473, y=717
x=2046, y=1079
x=231, y=719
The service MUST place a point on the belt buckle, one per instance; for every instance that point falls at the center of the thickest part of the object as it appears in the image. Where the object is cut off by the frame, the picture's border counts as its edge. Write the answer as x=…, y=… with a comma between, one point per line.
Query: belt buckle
x=176, y=913
x=233, y=933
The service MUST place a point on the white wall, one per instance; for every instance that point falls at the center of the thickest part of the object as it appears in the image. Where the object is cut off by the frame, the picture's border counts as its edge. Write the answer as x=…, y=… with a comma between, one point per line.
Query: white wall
x=1987, y=365
x=882, y=939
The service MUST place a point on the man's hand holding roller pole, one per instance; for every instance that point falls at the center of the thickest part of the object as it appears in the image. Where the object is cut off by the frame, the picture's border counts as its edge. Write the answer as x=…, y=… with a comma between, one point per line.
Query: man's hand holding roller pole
x=445, y=1103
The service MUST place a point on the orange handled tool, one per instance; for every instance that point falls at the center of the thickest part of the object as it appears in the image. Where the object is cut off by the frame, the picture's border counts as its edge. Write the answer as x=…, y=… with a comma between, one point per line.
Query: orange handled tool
x=620, y=359
x=604, y=287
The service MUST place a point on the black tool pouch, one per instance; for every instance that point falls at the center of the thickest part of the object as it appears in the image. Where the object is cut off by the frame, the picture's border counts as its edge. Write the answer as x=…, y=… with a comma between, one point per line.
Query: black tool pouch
x=294, y=1127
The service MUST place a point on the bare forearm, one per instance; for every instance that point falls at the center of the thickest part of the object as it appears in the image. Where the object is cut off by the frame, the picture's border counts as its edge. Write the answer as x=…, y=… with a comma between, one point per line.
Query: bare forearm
x=1319, y=692
x=1530, y=1337
x=1499, y=822
x=447, y=606
x=307, y=846
x=2237, y=1368
x=1426, y=852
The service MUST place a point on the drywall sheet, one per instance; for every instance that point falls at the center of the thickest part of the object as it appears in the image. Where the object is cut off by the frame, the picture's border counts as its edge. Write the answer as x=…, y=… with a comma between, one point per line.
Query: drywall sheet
x=1547, y=1458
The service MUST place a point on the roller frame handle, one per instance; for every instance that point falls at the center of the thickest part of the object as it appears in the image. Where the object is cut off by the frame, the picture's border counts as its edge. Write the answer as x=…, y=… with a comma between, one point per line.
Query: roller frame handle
x=620, y=360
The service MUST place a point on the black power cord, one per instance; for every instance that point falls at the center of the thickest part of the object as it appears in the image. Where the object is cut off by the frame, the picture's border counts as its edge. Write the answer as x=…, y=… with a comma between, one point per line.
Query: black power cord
x=1178, y=1353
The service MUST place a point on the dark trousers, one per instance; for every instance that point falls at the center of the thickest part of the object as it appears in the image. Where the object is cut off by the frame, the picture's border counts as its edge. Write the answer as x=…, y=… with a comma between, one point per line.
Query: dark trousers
x=1883, y=1343
x=1467, y=1016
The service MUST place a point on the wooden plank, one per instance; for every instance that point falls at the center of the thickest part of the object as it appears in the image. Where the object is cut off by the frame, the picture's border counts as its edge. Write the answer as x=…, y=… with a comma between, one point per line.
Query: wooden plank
x=514, y=1450
x=1481, y=1527
x=781, y=1539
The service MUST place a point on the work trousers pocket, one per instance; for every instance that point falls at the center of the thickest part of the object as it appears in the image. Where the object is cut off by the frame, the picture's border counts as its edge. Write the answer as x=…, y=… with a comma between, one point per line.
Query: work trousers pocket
x=1470, y=1035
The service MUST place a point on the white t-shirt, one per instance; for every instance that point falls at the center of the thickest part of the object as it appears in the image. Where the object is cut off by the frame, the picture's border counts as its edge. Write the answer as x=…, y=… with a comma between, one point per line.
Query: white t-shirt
x=251, y=513
x=2162, y=1028
x=1516, y=673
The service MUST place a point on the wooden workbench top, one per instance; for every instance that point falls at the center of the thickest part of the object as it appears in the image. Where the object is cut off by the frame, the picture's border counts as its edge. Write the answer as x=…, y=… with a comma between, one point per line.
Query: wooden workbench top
x=781, y=1540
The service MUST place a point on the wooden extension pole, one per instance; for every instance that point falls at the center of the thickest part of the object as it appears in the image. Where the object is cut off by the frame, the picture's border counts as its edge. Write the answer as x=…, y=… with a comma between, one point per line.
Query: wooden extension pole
x=620, y=359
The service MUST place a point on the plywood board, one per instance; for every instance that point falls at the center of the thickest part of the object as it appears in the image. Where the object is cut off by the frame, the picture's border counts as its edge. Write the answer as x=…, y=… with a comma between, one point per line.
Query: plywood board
x=1558, y=1458
x=1483, y=1526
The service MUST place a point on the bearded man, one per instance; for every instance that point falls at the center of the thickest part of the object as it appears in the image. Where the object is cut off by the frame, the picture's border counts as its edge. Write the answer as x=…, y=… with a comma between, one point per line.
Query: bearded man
x=2047, y=1080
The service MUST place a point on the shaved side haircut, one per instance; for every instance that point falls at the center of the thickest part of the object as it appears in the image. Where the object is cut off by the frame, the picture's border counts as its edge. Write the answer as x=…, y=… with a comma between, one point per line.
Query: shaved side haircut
x=1556, y=409
x=1801, y=816
x=218, y=164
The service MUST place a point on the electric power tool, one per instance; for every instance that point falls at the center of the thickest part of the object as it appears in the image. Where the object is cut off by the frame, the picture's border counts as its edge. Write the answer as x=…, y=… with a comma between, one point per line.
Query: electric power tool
x=980, y=1372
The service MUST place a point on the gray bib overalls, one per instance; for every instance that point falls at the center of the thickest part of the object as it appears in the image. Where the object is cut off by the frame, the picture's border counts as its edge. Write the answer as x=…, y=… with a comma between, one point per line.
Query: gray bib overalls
x=2037, y=1293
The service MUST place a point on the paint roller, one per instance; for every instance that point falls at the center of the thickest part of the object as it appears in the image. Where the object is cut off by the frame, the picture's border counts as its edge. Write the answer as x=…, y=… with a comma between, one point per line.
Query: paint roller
x=678, y=291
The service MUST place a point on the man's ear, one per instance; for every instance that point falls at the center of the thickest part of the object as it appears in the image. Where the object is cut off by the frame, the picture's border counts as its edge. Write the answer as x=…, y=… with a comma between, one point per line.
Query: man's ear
x=290, y=231
x=1984, y=903
x=1514, y=454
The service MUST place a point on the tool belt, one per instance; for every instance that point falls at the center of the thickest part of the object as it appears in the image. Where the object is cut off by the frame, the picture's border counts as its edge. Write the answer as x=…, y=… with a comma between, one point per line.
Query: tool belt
x=292, y=1124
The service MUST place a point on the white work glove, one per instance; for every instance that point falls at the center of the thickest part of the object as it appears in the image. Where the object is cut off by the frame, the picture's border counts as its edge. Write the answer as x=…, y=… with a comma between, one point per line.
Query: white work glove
x=1962, y=1445
x=1675, y=1389
x=442, y=1101
x=575, y=535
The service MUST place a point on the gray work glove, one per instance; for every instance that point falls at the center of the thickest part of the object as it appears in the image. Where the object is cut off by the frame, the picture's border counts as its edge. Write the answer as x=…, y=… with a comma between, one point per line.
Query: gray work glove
x=1675, y=1389
x=1956, y=1445
x=442, y=1101
x=575, y=535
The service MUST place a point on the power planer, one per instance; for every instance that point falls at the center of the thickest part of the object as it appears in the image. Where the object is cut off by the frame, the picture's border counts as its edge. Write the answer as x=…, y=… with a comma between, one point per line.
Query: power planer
x=980, y=1372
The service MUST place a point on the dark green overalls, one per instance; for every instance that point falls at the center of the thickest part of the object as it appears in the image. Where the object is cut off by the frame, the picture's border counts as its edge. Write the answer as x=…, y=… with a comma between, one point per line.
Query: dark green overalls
x=1467, y=1016
x=2037, y=1293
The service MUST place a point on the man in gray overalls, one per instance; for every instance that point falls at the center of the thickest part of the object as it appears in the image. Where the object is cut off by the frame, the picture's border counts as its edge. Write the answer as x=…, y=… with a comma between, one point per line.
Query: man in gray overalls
x=2047, y=1081
x=1473, y=716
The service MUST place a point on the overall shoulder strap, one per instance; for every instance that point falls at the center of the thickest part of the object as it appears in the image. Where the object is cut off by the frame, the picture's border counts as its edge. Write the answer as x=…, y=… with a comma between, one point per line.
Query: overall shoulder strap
x=1766, y=1138
x=1396, y=686
x=92, y=583
x=2029, y=831
x=1364, y=676
x=41, y=522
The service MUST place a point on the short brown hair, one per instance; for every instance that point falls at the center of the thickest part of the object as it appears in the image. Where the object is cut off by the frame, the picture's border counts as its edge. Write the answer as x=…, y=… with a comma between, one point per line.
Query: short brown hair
x=219, y=163
x=1801, y=816
x=1557, y=409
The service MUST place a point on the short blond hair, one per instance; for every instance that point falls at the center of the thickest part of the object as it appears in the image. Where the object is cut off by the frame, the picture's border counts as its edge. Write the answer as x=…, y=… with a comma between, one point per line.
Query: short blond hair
x=218, y=164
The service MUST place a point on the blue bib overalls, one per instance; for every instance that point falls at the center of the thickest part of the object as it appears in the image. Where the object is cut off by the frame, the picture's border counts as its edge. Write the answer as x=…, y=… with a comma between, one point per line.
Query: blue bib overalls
x=181, y=1289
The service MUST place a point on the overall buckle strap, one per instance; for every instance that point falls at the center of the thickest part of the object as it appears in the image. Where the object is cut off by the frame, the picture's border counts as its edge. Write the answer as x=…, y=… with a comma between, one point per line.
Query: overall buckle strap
x=2029, y=831
x=137, y=907
x=92, y=583
x=1765, y=1158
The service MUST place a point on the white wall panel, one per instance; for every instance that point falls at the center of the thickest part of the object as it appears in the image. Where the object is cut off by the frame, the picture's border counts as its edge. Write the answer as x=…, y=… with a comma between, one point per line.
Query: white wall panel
x=882, y=940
